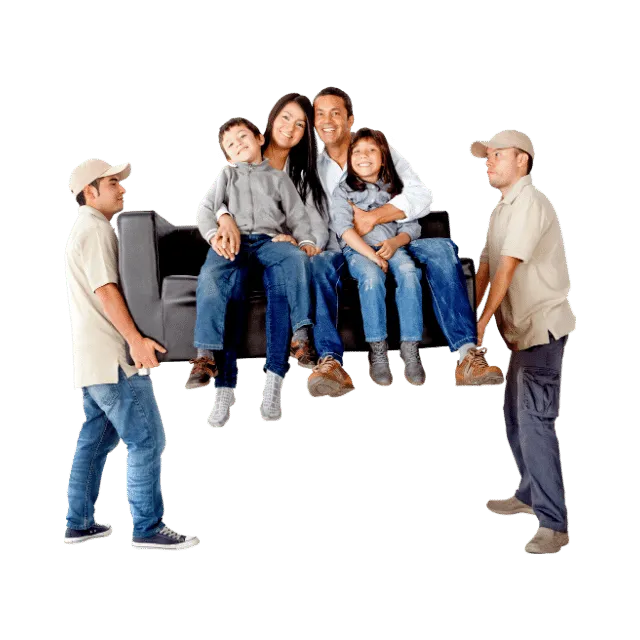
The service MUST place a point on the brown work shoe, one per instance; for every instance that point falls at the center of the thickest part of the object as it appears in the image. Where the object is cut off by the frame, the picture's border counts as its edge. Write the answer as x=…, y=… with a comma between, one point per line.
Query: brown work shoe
x=509, y=506
x=203, y=370
x=329, y=379
x=474, y=370
x=547, y=541
x=304, y=353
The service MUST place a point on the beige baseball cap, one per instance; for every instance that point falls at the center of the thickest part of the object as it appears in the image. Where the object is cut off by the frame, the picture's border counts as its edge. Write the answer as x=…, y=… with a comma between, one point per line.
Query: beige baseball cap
x=90, y=170
x=503, y=140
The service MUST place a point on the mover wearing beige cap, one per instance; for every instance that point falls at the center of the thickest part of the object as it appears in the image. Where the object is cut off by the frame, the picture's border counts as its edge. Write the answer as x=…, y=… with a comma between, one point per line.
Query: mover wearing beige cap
x=118, y=402
x=524, y=260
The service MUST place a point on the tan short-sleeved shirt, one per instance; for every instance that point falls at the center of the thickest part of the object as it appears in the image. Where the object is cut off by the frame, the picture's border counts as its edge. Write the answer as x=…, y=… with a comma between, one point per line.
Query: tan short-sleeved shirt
x=92, y=262
x=524, y=225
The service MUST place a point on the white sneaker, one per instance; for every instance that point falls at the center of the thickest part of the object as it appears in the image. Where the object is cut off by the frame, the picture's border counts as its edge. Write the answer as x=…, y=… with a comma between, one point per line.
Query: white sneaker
x=271, y=405
x=220, y=414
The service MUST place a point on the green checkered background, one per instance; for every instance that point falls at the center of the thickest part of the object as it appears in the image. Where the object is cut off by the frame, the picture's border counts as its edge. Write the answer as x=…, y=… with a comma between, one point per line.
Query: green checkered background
x=354, y=518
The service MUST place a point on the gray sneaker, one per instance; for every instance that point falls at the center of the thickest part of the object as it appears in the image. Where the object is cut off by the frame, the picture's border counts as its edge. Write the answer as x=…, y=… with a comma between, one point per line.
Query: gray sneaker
x=547, y=541
x=379, y=363
x=225, y=399
x=413, y=370
x=509, y=506
x=270, y=407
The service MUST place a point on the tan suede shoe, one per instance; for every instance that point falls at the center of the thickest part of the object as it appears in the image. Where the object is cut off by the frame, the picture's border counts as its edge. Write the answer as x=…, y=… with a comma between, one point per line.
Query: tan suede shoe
x=547, y=541
x=329, y=379
x=509, y=506
x=474, y=370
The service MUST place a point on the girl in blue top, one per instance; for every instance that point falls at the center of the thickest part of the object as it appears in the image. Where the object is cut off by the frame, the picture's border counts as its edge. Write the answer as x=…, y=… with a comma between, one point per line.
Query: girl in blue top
x=372, y=181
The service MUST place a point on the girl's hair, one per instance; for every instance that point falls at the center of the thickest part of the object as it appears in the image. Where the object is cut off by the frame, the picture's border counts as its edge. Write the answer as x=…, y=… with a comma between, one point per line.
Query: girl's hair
x=388, y=173
x=303, y=169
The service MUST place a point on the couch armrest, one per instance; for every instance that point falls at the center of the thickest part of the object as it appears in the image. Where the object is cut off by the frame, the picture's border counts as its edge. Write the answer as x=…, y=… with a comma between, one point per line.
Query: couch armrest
x=139, y=270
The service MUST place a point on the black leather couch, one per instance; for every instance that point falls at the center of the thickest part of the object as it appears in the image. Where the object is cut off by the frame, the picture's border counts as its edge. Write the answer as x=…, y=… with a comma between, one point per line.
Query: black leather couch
x=159, y=266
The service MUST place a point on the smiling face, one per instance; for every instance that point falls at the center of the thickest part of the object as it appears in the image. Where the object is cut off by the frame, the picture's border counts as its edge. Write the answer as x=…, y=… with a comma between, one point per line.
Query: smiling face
x=107, y=198
x=366, y=159
x=332, y=123
x=505, y=167
x=288, y=126
x=242, y=145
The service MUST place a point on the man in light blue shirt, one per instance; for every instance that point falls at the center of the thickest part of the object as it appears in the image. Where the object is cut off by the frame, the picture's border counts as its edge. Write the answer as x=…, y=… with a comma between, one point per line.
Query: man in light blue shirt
x=333, y=121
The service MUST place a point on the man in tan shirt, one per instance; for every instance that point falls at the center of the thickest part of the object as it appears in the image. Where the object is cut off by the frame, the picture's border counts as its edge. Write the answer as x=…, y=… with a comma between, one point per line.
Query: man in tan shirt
x=525, y=263
x=118, y=401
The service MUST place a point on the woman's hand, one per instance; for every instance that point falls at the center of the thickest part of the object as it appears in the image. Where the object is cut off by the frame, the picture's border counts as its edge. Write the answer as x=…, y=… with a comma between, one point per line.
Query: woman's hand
x=284, y=237
x=387, y=248
x=311, y=249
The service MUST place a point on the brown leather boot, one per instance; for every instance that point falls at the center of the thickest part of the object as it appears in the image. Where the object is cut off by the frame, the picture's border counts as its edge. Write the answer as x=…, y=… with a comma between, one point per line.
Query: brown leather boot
x=329, y=379
x=202, y=371
x=474, y=370
x=304, y=353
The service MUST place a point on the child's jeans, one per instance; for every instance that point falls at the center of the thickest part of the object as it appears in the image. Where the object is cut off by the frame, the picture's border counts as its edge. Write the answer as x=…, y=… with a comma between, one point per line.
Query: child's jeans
x=222, y=286
x=371, y=286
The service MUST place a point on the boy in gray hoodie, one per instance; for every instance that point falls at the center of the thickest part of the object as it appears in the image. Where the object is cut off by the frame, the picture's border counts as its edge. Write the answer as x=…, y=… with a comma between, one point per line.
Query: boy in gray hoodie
x=265, y=204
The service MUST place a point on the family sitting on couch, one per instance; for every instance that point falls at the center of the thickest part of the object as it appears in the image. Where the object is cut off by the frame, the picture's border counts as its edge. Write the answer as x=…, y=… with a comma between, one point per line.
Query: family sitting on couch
x=306, y=219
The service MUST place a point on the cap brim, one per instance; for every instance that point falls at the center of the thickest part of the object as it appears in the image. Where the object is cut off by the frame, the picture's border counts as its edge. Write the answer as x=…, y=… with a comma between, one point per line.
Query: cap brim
x=479, y=149
x=121, y=171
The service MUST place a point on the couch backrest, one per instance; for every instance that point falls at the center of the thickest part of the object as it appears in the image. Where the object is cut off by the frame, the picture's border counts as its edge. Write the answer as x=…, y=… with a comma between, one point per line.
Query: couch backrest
x=182, y=250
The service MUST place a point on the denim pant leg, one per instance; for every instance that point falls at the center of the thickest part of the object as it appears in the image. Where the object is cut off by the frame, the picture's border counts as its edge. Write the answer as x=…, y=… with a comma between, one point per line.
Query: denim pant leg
x=372, y=290
x=130, y=406
x=448, y=289
x=537, y=373
x=295, y=266
x=277, y=319
x=96, y=440
x=217, y=279
x=326, y=271
x=408, y=296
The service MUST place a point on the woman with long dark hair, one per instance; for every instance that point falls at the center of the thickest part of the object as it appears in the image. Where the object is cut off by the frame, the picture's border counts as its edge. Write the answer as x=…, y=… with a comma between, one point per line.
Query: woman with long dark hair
x=290, y=145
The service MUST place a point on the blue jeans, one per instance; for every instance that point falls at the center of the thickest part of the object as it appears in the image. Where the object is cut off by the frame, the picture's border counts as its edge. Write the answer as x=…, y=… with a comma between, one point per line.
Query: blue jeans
x=531, y=406
x=326, y=279
x=448, y=289
x=372, y=289
x=221, y=284
x=126, y=410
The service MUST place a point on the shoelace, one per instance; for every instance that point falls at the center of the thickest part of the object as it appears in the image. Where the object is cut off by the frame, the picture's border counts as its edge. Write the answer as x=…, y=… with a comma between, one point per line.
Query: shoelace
x=477, y=357
x=378, y=355
x=165, y=531
x=411, y=354
x=326, y=365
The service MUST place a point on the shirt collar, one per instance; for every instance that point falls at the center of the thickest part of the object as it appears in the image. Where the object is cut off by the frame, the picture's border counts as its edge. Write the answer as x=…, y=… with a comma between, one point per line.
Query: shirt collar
x=86, y=210
x=245, y=167
x=515, y=190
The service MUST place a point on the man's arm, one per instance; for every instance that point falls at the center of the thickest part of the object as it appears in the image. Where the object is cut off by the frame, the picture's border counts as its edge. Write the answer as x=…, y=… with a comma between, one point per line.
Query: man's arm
x=143, y=350
x=414, y=202
x=482, y=282
x=497, y=291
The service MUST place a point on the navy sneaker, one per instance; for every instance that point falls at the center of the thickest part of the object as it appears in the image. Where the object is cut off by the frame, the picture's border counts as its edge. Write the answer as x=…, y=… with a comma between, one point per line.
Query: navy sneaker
x=166, y=539
x=72, y=536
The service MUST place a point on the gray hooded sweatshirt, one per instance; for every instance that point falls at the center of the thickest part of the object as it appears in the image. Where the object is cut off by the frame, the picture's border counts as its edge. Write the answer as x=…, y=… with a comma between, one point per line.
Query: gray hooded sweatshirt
x=262, y=200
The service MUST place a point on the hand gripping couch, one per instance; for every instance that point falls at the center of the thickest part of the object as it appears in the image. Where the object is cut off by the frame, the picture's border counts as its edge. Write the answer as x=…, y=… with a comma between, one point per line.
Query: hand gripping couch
x=159, y=267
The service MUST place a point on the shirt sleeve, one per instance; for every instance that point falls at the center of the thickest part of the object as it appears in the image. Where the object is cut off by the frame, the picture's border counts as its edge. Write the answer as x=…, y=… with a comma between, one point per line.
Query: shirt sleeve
x=208, y=209
x=526, y=226
x=319, y=229
x=295, y=212
x=99, y=256
x=411, y=227
x=340, y=211
x=415, y=199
